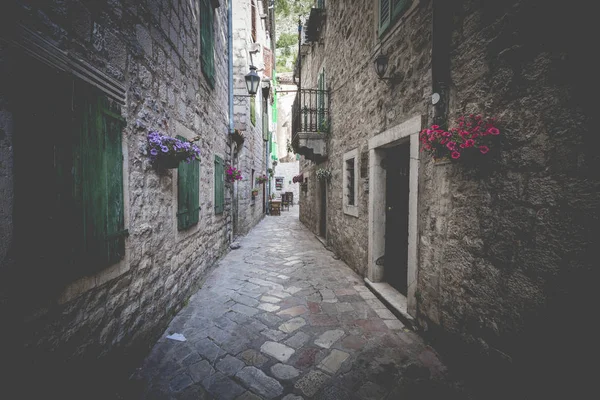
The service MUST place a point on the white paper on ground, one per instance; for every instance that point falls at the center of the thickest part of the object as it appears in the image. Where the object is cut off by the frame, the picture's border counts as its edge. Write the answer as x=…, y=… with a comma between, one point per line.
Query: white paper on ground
x=177, y=336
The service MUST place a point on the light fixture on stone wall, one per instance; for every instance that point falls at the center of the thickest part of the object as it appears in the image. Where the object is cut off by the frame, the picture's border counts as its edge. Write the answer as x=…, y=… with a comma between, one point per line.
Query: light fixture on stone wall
x=252, y=82
x=381, y=64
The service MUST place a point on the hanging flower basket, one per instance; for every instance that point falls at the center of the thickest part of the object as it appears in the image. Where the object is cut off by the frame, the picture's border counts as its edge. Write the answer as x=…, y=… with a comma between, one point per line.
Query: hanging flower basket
x=261, y=179
x=254, y=192
x=233, y=174
x=472, y=139
x=167, y=152
x=323, y=174
x=168, y=162
x=298, y=178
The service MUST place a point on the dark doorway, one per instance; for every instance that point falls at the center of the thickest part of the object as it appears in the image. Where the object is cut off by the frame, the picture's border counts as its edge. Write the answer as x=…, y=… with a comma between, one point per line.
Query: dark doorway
x=323, y=213
x=396, y=226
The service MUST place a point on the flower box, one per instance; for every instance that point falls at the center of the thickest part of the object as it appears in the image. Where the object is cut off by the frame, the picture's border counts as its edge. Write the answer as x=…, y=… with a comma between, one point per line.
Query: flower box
x=167, y=152
x=467, y=142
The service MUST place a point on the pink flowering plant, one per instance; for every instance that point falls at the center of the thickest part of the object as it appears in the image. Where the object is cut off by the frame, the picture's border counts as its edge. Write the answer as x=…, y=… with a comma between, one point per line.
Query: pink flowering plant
x=261, y=179
x=474, y=135
x=162, y=146
x=233, y=174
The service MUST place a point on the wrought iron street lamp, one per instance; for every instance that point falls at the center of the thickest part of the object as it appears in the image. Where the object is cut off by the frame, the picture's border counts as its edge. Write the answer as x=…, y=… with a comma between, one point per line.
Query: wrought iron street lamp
x=252, y=81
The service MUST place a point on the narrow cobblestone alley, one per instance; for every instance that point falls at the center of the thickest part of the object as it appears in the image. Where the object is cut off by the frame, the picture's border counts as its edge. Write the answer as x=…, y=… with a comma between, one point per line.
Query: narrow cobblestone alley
x=280, y=318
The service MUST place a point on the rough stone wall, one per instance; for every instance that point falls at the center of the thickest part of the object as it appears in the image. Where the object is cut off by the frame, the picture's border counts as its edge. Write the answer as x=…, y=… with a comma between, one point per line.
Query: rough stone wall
x=507, y=250
x=284, y=122
x=362, y=106
x=6, y=161
x=251, y=155
x=151, y=48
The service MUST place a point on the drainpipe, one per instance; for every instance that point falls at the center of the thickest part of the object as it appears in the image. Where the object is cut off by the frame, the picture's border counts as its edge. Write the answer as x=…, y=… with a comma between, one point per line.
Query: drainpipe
x=230, y=65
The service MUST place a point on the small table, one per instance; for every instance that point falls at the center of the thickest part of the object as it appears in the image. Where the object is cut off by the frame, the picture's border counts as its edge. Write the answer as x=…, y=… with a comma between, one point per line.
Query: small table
x=275, y=207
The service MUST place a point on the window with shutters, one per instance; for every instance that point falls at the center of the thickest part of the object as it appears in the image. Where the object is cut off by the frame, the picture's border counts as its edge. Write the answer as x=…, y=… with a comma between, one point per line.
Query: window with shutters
x=207, y=56
x=188, y=193
x=389, y=12
x=68, y=182
x=350, y=183
x=219, y=185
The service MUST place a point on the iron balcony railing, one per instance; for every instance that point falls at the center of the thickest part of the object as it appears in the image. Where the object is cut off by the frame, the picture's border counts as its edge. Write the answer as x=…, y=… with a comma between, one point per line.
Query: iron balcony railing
x=310, y=112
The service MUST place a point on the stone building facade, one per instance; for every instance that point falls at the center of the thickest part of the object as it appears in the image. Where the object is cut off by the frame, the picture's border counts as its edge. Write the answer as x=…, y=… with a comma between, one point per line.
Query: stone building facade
x=252, y=45
x=82, y=74
x=492, y=254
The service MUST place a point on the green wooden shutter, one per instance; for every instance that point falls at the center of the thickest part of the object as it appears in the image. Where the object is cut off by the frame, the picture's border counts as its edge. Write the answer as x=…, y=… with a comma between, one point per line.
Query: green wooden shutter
x=112, y=125
x=207, y=40
x=219, y=185
x=321, y=100
x=99, y=182
x=398, y=6
x=188, y=193
x=384, y=15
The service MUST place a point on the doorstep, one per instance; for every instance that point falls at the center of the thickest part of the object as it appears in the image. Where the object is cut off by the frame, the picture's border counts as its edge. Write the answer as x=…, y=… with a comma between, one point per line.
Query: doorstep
x=394, y=300
x=322, y=240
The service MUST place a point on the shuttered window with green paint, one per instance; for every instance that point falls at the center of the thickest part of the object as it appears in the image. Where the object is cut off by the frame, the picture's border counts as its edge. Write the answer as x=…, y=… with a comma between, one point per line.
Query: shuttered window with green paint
x=322, y=123
x=219, y=185
x=389, y=11
x=188, y=193
x=98, y=182
x=207, y=56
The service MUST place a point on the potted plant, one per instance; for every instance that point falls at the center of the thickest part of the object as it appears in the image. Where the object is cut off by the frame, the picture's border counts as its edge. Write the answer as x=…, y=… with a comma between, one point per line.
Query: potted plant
x=261, y=179
x=254, y=192
x=471, y=139
x=233, y=174
x=167, y=152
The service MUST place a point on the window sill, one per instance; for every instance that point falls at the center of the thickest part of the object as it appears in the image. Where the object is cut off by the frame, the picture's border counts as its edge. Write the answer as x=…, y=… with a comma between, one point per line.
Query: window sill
x=351, y=210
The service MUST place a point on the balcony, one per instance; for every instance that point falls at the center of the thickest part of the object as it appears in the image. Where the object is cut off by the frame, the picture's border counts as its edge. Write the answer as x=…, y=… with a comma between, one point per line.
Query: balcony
x=310, y=123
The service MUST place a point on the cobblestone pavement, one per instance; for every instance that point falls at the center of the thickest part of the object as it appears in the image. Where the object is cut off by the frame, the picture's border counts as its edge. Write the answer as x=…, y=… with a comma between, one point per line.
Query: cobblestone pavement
x=280, y=318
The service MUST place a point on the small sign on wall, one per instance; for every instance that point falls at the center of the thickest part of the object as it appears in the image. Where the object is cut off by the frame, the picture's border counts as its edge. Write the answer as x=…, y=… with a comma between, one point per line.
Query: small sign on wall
x=279, y=183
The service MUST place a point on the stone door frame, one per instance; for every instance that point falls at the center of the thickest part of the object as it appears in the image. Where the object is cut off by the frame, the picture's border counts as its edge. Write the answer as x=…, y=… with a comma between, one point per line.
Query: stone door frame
x=407, y=131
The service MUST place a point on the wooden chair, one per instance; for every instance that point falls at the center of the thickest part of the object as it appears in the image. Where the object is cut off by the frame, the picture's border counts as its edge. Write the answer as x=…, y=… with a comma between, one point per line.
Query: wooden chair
x=285, y=202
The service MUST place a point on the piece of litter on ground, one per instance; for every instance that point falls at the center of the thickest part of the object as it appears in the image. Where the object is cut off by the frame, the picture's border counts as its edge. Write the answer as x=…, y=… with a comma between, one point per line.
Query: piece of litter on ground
x=177, y=336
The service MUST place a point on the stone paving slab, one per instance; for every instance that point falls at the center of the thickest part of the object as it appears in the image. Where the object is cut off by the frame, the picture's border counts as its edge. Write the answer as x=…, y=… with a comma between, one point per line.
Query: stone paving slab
x=285, y=320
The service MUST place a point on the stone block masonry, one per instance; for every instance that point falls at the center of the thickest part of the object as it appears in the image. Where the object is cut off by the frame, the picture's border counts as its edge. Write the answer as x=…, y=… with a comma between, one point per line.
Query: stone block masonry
x=502, y=247
x=151, y=50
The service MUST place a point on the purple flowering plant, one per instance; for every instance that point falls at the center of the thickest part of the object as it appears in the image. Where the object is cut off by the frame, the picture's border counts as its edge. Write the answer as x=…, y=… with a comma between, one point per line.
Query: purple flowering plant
x=162, y=146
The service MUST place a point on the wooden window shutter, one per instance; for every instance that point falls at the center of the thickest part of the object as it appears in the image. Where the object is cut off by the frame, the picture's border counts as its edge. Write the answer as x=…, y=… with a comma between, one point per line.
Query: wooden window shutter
x=188, y=202
x=101, y=183
x=219, y=185
x=384, y=15
x=207, y=56
x=398, y=7
x=253, y=15
x=321, y=100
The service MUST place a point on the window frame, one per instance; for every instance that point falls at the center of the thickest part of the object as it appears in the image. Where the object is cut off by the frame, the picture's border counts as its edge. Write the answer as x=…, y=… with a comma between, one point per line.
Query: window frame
x=350, y=209
x=396, y=8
